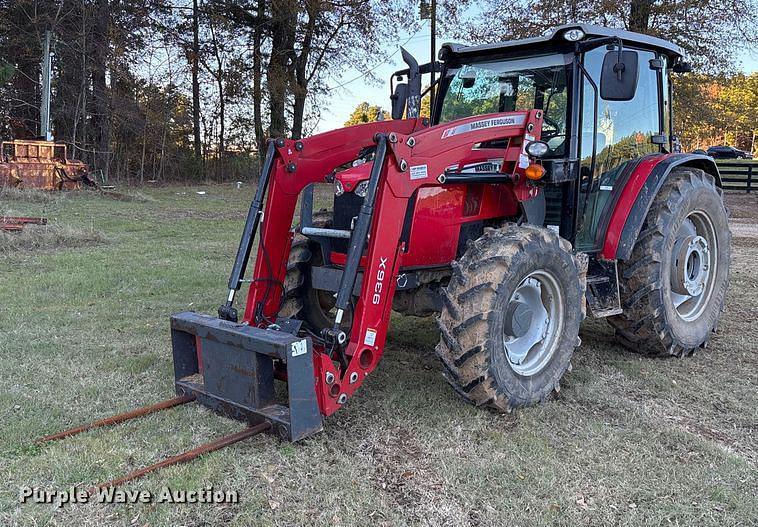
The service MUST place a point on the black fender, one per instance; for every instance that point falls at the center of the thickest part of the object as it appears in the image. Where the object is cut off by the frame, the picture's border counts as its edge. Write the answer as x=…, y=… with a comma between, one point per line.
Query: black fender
x=649, y=190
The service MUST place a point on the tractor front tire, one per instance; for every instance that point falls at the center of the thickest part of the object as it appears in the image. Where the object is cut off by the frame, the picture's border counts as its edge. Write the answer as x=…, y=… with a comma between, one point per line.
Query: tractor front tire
x=300, y=300
x=673, y=286
x=511, y=315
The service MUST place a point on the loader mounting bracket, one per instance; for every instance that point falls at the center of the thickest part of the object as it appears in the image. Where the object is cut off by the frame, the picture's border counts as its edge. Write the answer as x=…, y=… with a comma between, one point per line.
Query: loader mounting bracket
x=229, y=368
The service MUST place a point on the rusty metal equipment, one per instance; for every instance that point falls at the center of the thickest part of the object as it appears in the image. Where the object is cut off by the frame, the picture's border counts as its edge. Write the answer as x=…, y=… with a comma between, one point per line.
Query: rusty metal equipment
x=42, y=165
x=17, y=223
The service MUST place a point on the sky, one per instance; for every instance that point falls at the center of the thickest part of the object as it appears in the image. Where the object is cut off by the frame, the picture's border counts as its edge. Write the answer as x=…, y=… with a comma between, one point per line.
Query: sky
x=355, y=88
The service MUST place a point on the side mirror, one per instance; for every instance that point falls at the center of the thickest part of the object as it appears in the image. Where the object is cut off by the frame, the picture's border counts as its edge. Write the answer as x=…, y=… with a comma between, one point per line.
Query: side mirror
x=618, y=79
x=399, y=99
x=682, y=67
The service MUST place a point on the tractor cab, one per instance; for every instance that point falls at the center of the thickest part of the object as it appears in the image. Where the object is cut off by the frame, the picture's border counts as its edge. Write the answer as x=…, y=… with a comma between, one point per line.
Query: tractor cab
x=606, y=102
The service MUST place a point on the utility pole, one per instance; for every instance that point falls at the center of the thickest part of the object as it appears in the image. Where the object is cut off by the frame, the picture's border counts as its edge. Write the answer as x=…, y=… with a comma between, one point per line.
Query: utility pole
x=44, y=111
x=194, y=66
x=433, y=26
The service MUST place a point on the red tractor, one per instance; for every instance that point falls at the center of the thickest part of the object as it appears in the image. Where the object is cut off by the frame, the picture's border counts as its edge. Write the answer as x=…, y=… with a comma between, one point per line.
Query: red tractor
x=546, y=181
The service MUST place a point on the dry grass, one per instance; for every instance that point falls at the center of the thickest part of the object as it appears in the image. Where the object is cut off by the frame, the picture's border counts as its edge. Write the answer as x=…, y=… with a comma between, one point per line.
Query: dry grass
x=131, y=195
x=45, y=237
x=84, y=333
x=29, y=195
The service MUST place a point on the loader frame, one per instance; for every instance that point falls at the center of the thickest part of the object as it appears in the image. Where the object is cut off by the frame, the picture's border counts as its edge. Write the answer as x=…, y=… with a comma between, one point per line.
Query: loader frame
x=409, y=156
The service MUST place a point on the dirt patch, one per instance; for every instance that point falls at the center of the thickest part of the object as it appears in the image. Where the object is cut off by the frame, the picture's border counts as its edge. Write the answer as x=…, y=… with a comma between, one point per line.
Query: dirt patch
x=744, y=230
x=134, y=196
x=743, y=214
x=43, y=237
x=404, y=471
x=742, y=206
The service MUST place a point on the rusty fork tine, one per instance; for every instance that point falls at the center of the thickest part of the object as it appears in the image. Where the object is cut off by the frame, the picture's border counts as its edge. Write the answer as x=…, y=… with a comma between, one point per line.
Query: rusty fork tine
x=187, y=456
x=119, y=418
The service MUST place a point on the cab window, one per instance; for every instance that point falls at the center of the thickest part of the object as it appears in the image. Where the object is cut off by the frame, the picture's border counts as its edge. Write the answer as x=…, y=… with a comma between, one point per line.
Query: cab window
x=624, y=132
x=511, y=85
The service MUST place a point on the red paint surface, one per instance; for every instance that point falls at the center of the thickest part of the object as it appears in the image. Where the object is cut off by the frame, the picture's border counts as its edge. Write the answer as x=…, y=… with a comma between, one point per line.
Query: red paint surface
x=626, y=202
x=434, y=233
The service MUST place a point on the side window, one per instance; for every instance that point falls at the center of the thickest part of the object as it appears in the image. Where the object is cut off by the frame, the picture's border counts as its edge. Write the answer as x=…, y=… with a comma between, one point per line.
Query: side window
x=624, y=127
x=624, y=132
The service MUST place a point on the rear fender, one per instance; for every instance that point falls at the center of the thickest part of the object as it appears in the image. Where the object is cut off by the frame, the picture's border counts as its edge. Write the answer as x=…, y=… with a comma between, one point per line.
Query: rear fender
x=637, y=196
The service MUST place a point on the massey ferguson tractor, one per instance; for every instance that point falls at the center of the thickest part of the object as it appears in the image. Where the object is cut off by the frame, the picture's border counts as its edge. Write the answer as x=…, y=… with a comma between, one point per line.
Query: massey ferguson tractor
x=546, y=184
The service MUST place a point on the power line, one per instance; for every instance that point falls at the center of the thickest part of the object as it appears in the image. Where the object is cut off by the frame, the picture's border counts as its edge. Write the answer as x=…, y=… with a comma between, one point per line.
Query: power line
x=386, y=60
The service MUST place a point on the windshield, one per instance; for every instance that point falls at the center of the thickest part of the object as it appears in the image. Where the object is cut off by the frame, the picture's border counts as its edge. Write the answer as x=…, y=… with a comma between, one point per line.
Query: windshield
x=510, y=85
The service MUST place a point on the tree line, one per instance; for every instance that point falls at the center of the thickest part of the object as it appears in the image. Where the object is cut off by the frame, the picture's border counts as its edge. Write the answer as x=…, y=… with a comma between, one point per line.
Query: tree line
x=190, y=89
x=182, y=89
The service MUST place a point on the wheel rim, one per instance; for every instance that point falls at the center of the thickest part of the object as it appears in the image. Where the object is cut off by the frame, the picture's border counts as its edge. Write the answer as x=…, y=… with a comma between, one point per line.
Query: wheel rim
x=693, y=265
x=533, y=322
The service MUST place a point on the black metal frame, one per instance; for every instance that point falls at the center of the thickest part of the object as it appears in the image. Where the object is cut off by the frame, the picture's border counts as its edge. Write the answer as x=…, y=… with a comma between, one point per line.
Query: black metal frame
x=360, y=235
x=229, y=368
x=227, y=311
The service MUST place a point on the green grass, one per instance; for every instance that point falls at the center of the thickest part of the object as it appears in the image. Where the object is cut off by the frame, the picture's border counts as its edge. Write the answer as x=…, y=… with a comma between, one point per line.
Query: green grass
x=84, y=334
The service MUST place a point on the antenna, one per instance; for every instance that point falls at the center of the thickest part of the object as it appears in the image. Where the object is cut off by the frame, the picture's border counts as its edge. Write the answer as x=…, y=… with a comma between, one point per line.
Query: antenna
x=44, y=111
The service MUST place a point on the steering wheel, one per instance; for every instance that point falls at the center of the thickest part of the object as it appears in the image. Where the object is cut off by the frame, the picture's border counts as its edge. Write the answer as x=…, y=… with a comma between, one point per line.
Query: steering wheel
x=556, y=128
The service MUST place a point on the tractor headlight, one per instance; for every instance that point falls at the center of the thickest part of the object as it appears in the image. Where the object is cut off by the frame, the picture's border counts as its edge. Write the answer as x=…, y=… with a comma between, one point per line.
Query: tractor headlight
x=573, y=35
x=537, y=148
x=338, y=188
x=362, y=189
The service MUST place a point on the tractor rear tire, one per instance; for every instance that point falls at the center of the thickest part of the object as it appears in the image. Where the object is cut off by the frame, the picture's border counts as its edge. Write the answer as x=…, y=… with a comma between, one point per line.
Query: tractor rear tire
x=683, y=248
x=300, y=300
x=496, y=297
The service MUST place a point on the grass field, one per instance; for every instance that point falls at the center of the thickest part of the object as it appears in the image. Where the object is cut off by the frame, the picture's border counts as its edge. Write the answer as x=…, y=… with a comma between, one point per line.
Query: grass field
x=84, y=308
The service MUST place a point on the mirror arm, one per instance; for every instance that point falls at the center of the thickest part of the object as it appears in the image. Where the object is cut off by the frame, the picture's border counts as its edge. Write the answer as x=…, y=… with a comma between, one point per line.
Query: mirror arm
x=588, y=45
x=620, y=67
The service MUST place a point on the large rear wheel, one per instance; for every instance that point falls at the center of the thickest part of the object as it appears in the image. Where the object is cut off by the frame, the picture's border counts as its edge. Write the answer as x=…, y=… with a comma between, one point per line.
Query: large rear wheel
x=673, y=286
x=511, y=317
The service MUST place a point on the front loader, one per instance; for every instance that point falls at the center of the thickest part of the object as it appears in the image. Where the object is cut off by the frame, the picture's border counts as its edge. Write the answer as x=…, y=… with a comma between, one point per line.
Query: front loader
x=547, y=184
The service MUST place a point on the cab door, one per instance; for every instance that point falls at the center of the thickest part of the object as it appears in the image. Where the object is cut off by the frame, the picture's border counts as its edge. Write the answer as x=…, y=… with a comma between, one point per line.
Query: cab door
x=626, y=132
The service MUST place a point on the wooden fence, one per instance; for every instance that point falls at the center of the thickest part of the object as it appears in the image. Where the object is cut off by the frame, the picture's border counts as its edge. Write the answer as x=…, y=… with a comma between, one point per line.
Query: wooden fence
x=738, y=175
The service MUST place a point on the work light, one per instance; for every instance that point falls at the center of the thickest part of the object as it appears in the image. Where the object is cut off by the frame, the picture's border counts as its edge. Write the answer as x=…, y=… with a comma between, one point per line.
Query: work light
x=572, y=35
x=537, y=148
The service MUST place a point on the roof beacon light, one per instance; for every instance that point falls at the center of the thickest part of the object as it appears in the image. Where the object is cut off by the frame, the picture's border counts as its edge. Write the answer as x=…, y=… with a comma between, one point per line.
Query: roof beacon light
x=573, y=35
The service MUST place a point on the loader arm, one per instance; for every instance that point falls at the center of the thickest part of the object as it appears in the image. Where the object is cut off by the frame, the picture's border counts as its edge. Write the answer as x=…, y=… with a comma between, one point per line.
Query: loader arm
x=417, y=157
